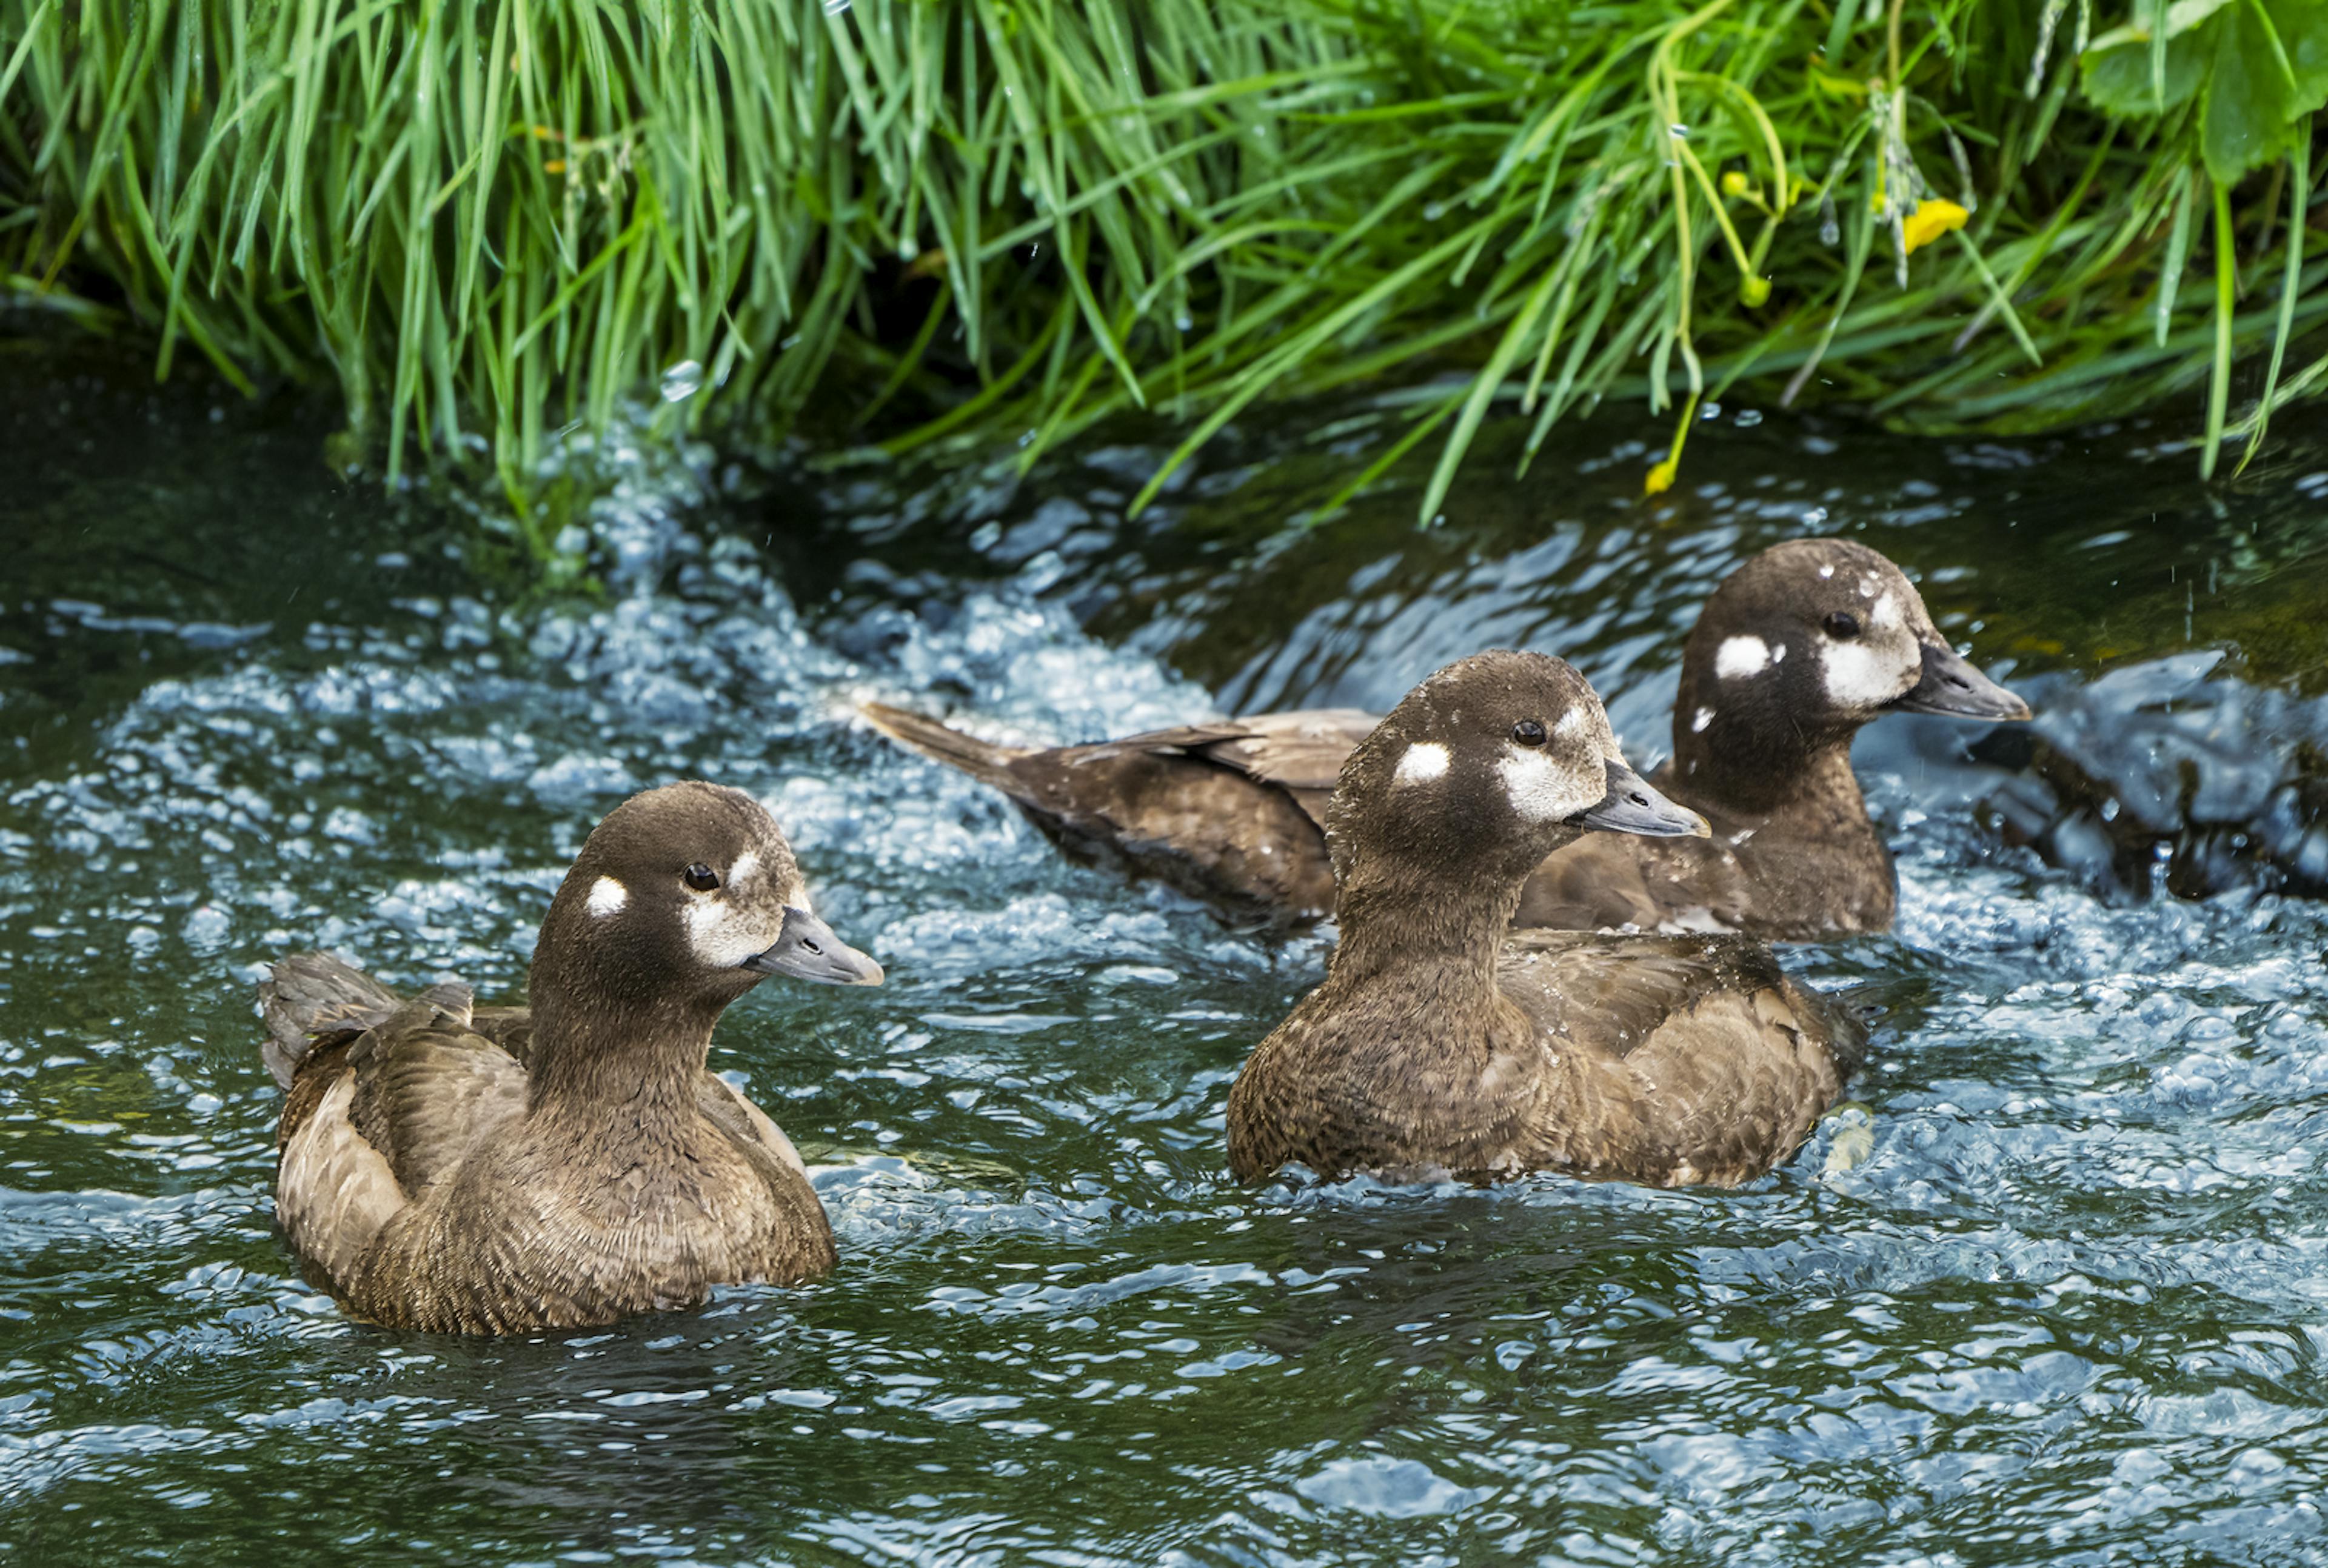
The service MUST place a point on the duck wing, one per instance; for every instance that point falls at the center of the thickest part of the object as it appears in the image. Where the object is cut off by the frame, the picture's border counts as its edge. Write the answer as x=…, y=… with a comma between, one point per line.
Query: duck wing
x=1683, y=1059
x=385, y=1097
x=509, y=1028
x=1301, y=752
x=427, y=1088
x=1227, y=813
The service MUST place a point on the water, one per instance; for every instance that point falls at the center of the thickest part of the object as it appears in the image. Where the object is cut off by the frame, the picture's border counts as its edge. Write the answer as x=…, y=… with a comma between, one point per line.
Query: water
x=2071, y=1307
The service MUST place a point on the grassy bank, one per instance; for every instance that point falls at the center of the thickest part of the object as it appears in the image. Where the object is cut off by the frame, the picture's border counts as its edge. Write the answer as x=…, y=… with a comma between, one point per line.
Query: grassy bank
x=487, y=218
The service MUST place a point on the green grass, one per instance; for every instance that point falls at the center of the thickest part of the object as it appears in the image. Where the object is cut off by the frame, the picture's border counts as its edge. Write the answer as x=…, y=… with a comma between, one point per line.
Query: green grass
x=1006, y=219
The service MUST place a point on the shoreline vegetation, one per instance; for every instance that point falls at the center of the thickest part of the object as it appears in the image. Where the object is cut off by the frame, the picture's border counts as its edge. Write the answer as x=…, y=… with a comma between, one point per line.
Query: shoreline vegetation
x=486, y=222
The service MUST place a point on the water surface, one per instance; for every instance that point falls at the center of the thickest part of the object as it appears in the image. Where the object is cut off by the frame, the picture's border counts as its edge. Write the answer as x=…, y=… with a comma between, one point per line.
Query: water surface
x=2071, y=1307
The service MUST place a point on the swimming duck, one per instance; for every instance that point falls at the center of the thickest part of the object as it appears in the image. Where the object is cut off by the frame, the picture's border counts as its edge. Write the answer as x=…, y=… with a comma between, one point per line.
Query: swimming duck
x=451, y=1168
x=1442, y=1042
x=1797, y=649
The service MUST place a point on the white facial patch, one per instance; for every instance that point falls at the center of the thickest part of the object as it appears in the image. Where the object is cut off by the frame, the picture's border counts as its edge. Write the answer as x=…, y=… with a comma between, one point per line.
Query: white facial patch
x=1742, y=658
x=1867, y=675
x=747, y=866
x=724, y=936
x=608, y=898
x=1885, y=613
x=1575, y=721
x=1423, y=761
x=1543, y=791
x=1827, y=571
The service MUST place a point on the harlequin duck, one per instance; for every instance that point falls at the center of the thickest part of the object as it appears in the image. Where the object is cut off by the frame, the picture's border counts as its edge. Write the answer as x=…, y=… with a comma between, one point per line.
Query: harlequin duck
x=1796, y=651
x=450, y=1168
x=1442, y=1042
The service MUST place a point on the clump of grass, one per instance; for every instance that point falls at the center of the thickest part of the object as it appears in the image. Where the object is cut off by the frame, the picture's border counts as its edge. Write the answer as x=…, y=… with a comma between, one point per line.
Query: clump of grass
x=489, y=219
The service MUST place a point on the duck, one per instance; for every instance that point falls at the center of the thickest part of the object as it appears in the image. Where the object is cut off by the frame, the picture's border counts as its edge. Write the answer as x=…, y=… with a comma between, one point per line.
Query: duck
x=447, y=1167
x=1445, y=1043
x=1796, y=651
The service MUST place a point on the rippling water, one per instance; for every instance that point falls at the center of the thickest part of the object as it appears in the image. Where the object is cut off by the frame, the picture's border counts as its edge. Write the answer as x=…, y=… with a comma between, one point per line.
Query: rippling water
x=2070, y=1305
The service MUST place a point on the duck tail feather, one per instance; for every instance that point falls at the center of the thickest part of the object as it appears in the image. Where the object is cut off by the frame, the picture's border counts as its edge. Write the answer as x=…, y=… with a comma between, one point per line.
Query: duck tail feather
x=313, y=994
x=982, y=760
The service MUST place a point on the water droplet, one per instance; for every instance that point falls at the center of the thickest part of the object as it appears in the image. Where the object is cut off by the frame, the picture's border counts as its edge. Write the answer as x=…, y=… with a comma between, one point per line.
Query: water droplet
x=681, y=380
x=1749, y=418
x=1710, y=411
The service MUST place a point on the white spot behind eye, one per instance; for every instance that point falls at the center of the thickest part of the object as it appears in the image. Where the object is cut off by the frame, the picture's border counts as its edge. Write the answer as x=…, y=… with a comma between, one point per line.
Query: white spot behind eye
x=1739, y=658
x=747, y=866
x=1423, y=761
x=1542, y=789
x=607, y=897
x=1704, y=717
x=1886, y=613
x=1827, y=571
x=1573, y=721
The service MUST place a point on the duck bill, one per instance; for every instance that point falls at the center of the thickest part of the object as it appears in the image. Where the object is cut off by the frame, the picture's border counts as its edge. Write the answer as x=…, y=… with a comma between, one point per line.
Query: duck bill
x=1632, y=806
x=1953, y=685
x=807, y=949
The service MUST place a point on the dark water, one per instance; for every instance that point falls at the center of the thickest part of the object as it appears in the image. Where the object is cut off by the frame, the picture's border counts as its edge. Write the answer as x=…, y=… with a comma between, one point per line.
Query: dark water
x=2072, y=1306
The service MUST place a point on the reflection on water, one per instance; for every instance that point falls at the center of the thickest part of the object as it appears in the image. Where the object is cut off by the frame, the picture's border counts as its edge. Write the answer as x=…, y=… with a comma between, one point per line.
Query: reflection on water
x=2070, y=1305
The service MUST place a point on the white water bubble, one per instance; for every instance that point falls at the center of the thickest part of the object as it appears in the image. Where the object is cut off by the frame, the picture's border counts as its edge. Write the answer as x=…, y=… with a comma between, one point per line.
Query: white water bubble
x=206, y=928
x=680, y=382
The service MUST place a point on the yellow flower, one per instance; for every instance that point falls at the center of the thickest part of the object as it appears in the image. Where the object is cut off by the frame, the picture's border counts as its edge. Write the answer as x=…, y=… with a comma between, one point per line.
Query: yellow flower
x=1733, y=182
x=1753, y=291
x=1929, y=220
x=1661, y=478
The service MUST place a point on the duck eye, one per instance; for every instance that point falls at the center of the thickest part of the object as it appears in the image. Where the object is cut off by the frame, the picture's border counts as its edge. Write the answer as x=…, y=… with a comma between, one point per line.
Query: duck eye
x=1528, y=732
x=1842, y=626
x=701, y=877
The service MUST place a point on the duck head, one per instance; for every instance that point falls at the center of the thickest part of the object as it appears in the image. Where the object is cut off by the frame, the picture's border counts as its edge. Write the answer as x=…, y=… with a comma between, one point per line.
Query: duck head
x=1481, y=771
x=687, y=894
x=1804, y=645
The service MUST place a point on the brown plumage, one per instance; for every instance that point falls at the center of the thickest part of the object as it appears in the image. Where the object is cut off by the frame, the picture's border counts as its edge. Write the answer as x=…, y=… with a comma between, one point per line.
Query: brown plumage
x=1233, y=812
x=492, y=1170
x=1227, y=812
x=1440, y=1041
